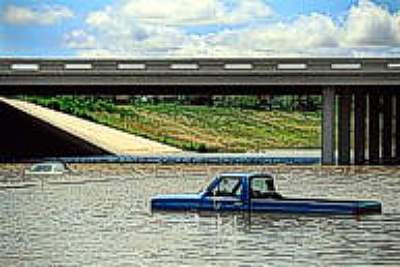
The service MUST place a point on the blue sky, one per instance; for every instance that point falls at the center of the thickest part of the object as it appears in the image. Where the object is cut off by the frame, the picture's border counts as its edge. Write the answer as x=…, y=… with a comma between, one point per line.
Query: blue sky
x=206, y=28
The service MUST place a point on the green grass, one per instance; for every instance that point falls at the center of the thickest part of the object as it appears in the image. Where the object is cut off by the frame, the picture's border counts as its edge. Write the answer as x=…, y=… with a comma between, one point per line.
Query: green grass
x=200, y=128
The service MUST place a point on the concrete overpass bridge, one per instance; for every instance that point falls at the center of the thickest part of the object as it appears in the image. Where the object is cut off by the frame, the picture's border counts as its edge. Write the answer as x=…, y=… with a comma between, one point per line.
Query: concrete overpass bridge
x=361, y=95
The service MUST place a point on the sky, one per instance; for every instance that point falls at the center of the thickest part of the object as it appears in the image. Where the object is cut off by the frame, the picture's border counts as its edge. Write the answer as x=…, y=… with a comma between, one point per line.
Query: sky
x=199, y=28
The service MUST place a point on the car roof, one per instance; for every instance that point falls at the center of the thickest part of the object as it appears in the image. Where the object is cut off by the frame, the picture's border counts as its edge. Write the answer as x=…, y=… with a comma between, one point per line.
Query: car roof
x=50, y=163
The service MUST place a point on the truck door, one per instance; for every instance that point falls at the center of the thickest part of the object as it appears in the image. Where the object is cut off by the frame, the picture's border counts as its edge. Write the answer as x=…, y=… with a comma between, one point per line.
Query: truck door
x=226, y=195
x=263, y=196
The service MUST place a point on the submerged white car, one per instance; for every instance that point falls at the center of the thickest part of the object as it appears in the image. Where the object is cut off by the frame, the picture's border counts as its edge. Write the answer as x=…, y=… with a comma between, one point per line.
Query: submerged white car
x=48, y=168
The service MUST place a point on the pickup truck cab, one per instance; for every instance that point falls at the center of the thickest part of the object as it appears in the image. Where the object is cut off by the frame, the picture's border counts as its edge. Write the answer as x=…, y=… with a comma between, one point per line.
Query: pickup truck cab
x=256, y=192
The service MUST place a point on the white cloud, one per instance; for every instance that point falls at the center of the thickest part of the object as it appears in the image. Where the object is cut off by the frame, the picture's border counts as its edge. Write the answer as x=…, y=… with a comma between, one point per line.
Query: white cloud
x=99, y=18
x=20, y=15
x=158, y=28
x=305, y=32
x=245, y=11
x=79, y=39
x=189, y=12
x=170, y=11
x=371, y=25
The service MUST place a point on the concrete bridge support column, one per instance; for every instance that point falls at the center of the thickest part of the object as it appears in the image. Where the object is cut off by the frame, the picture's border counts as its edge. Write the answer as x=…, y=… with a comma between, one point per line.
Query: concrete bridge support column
x=387, y=128
x=397, y=152
x=373, y=116
x=345, y=101
x=360, y=106
x=328, y=126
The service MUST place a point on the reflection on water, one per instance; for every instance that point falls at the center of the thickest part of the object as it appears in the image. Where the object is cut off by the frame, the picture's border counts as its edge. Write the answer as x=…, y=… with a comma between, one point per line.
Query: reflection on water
x=100, y=217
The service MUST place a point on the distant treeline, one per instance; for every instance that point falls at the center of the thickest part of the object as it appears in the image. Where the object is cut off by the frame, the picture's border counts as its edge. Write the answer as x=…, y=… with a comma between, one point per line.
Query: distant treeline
x=73, y=104
x=263, y=102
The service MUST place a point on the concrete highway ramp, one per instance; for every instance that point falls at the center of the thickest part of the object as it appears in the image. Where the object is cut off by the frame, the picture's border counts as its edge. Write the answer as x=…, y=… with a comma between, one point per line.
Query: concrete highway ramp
x=31, y=132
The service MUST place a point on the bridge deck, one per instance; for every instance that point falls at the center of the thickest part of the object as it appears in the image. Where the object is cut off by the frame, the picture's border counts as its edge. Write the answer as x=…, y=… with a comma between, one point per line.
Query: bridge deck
x=194, y=76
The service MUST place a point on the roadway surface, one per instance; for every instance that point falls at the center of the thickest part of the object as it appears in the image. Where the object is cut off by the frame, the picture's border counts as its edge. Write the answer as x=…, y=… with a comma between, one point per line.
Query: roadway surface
x=23, y=137
x=106, y=139
x=286, y=156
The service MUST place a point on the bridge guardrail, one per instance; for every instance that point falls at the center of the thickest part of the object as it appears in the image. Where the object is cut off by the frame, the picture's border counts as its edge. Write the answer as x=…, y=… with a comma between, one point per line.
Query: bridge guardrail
x=26, y=65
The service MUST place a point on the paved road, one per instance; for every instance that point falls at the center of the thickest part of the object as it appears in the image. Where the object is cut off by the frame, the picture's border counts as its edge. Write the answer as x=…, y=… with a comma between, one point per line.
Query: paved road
x=273, y=156
x=109, y=139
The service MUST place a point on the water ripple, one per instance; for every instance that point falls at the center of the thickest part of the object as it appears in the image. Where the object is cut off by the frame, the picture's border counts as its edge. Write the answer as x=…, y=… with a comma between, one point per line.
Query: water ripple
x=100, y=217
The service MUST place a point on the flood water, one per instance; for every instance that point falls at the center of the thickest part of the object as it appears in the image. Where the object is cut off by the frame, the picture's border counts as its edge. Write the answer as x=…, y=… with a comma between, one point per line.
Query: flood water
x=100, y=216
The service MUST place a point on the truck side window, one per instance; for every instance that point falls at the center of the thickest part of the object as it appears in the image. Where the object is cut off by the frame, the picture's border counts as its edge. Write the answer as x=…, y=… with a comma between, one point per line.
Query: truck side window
x=262, y=187
x=228, y=186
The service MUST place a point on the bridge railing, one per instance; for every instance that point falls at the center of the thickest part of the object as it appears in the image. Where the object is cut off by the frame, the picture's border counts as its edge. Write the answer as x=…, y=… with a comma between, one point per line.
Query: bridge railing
x=230, y=65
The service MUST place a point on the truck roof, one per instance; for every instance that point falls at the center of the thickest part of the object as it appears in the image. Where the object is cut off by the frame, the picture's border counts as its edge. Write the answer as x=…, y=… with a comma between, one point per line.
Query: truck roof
x=247, y=174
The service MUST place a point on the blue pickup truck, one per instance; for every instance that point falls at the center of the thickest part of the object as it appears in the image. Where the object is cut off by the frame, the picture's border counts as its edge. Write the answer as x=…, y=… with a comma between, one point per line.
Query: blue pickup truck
x=255, y=192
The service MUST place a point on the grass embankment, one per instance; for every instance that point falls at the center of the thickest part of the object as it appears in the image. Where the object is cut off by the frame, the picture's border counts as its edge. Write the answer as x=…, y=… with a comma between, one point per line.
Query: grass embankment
x=199, y=128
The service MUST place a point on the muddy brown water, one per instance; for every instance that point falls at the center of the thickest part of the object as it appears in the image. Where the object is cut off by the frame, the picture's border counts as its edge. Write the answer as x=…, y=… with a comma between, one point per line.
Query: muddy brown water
x=100, y=216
